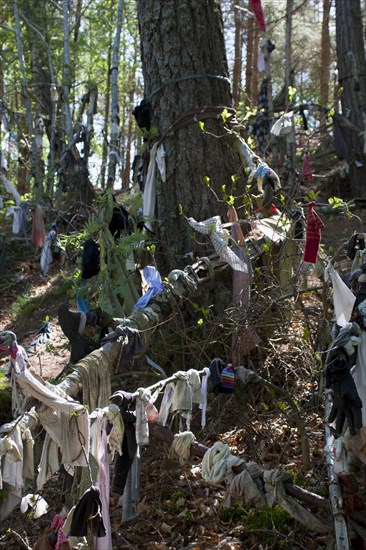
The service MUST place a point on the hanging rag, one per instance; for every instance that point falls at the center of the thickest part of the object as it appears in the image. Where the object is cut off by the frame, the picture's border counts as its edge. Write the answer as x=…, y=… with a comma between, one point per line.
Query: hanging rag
x=155, y=284
x=38, y=231
x=314, y=226
x=88, y=514
x=213, y=227
x=259, y=15
x=124, y=461
x=203, y=404
x=10, y=187
x=90, y=259
x=99, y=450
x=16, y=212
x=343, y=297
x=166, y=403
x=180, y=450
x=46, y=255
x=157, y=156
x=284, y=125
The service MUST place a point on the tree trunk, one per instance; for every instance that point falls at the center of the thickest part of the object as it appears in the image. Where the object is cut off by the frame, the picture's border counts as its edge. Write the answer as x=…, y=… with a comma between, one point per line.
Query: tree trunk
x=103, y=169
x=115, y=129
x=251, y=68
x=290, y=144
x=67, y=73
x=351, y=75
x=238, y=61
x=36, y=159
x=126, y=174
x=325, y=54
x=185, y=68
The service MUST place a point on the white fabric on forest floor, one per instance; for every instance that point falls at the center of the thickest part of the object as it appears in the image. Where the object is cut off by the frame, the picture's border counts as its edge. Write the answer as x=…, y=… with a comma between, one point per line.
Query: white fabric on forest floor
x=218, y=462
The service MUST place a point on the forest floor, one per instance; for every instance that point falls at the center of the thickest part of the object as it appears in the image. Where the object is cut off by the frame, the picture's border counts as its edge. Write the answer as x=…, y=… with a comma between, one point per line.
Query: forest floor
x=177, y=509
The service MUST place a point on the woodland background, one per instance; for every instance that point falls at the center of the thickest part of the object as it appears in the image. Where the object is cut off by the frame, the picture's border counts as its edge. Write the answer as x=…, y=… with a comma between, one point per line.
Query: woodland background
x=71, y=74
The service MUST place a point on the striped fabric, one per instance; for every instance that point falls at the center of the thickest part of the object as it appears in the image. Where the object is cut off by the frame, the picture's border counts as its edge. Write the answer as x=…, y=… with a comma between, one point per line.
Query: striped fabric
x=227, y=379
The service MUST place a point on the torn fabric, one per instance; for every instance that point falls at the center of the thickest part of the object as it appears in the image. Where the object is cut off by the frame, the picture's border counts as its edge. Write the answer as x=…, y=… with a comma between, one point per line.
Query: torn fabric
x=343, y=297
x=213, y=227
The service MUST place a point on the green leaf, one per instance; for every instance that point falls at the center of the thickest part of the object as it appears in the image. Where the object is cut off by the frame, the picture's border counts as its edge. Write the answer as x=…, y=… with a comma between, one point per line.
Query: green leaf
x=206, y=180
x=201, y=125
x=225, y=115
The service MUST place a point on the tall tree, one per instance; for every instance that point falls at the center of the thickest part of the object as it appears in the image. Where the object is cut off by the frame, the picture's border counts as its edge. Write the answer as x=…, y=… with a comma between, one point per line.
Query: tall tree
x=33, y=131
x=251, y=66
x=351, y=74
x=186, y=79
x=325, y=54
x=114, y=157
x=238, y=53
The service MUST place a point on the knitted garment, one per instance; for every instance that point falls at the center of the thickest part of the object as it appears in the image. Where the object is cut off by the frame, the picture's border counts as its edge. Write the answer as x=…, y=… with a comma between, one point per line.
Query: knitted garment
x=227, y=379
x=314, y=226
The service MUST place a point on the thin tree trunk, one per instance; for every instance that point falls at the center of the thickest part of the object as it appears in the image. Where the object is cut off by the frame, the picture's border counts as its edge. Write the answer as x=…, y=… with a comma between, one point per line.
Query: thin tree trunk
x=126, y=177
x=67, y=73
x=115, y=129
x=250, y=90
x=53, y=97
x=36, y=160
x=290, y=144
x=106, y=120
x=325, y=54
x=351, y=71
x=238, y=53
x=91, y=110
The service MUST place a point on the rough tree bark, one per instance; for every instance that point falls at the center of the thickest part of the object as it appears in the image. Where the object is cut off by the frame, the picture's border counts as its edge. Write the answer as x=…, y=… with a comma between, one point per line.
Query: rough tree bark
x=238, y=54
x=325, y=54
x=352, y=79
x=36, y=160
x=185, y=68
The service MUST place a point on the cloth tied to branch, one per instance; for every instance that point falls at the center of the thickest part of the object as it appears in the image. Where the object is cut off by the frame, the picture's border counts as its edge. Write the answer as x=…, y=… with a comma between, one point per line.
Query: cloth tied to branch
x=213, y=227
x=180, y=450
